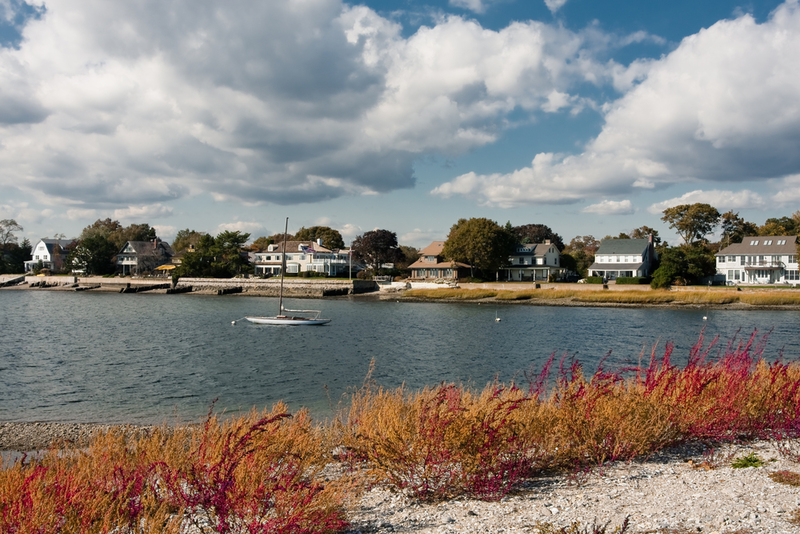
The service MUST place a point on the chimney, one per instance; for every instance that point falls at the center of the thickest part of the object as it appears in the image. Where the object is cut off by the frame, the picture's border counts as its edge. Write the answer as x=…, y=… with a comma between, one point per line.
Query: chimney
x=650, y=238
x=546, y=241
x=319, y=241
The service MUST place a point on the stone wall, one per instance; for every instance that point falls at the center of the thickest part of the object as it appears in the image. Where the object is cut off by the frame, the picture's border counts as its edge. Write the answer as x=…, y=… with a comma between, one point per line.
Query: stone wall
x=292, y=287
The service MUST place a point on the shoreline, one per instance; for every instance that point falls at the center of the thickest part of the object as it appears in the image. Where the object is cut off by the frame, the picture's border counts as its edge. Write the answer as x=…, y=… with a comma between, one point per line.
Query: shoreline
x=398, y=296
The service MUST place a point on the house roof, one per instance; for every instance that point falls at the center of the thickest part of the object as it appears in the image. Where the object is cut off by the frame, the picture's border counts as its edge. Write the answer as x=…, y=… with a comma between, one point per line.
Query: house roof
x=616, y=266
x=294, y=246
x=622, y=246
x=755, y=245
x=434, y=249
x=534, y=249
x=144, y=248
x=50, y=243
x=419, y=264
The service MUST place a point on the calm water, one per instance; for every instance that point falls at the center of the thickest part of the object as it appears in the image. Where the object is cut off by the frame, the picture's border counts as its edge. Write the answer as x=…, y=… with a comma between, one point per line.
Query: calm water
x=152, y=358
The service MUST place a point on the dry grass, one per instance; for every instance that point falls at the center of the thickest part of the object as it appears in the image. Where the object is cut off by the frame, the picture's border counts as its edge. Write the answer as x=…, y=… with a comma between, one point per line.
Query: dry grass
x=657, y=296
x=790, y=478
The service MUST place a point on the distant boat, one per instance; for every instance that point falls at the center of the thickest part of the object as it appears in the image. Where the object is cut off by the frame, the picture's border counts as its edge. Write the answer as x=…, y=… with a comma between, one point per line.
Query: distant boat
x=282, y=318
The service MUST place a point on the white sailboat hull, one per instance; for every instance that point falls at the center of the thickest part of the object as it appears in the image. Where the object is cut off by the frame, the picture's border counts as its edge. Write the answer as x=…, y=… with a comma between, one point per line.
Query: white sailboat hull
x=287, y=321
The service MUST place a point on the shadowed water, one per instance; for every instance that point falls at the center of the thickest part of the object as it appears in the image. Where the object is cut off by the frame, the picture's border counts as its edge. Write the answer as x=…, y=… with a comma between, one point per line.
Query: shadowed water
x=83, y=357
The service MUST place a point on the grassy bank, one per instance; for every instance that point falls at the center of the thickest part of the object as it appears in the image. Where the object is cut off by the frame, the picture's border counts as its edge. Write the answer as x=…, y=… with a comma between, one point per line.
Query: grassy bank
x=270, y=472
x=660, y=296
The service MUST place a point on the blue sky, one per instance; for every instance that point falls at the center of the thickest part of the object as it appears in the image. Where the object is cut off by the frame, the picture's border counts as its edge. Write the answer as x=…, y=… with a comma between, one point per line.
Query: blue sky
x=588, y=116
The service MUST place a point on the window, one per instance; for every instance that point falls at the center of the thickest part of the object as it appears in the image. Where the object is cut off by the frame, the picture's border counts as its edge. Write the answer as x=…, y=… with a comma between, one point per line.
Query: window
x=781, y=241
x=792, y=259
x=768, y=241
x=741, y=260
x=754, y=242
x=617, y=259
x=793, y=275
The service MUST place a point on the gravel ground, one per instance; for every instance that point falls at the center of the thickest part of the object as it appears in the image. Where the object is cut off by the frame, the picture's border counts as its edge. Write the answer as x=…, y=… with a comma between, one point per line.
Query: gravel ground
x=663, y=493
x=670, y=490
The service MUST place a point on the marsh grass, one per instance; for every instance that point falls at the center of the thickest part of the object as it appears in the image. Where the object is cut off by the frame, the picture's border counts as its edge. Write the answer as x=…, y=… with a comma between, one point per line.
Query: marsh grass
x=653, y=297
x=791, y=478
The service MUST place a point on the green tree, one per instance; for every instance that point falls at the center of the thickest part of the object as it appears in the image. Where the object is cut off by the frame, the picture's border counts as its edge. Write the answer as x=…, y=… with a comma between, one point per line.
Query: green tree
x=687, y=264
x=216, y=257
x=331, y=238
x=643, y=232
x=692, y=221
x=93, y=254
x=184, y=238
x=672, y=266
x=377, y=247
x=409, y=256
x=582, y=249
x=735, y=229
x=779, y=226
x=481, y=243
x=538, y=233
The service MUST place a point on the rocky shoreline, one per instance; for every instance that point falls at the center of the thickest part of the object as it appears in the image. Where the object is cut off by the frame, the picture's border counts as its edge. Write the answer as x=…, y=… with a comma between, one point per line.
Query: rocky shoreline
x=677, y=491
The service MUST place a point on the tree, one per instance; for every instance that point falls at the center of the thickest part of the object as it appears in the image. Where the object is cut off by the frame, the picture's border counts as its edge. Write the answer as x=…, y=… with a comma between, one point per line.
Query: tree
x=481, y=243
x=692, y=221
x=216, y=257
x=538, y=233
x=13, y=257
x=377, y=247
x=260, y=244
x=644, y=232
x=582, y=249
x=686, y=264
x=735, y=229
x=331, y=238
x=184, y=238
x=93, y=255
x=779, y=226
x=409, y=256
x=7, y=229
x=278, y=238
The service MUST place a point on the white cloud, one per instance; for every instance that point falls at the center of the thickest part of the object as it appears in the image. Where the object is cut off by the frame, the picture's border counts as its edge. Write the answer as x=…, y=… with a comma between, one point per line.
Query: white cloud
x=554, y=5
x=478, y=6
x=349, y=232
x=155, y=211
x=611, y=207
x=788, y=194
x=722, y=200
x=420, y=238
x=166, y=233
x=107, y=105
x=724, y=106
x=241, y=226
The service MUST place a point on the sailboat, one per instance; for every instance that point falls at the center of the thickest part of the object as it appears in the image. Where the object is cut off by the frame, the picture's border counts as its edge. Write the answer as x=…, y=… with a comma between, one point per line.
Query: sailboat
x=311, y=317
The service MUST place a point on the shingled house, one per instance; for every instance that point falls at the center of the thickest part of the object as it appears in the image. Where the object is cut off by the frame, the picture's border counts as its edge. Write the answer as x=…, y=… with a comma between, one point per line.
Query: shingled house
x=760, y=260
x=139, y=257
x=431, y=265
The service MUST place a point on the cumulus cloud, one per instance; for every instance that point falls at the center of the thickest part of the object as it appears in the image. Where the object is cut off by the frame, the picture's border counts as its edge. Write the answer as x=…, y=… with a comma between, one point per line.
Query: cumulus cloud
x=722, y=200
x=554, y=5
x=611, y=207
x=241, y=226
x=155, y=211
x=721, y=107
x=420, y=238
x=105, y=106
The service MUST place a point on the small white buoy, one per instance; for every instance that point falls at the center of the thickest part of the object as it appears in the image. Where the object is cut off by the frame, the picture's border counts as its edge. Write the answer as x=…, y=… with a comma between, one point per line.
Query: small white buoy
x=497, y=319
x=705, y=318
x=233, y=322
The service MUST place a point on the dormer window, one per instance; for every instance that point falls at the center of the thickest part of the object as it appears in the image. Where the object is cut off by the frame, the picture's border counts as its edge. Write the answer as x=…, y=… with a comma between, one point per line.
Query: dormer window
x=768, y=242
x=755, y=242
x=781, y=241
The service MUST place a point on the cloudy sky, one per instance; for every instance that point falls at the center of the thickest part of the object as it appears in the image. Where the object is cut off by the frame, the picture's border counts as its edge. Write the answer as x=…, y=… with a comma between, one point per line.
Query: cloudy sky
x=590, y=117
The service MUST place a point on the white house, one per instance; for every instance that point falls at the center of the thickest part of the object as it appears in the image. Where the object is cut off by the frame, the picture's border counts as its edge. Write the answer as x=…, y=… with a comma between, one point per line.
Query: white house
x=51, y=252
x=624, y=258
x=760, y=260
x=532, y=261
x=304, y=256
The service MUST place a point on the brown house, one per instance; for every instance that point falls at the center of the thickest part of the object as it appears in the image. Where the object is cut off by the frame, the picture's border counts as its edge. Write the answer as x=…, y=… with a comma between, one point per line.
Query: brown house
x=432, y=265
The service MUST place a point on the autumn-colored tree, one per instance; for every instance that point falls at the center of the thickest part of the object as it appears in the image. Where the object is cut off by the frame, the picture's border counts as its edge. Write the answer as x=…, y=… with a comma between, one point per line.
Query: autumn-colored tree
x=779, y=226
x=186, y=237
x=643, y=232
x=692, y=221
x=410, y=255
x=260, y=244
x=734, y=228
x=481, y=243
x=331, y=238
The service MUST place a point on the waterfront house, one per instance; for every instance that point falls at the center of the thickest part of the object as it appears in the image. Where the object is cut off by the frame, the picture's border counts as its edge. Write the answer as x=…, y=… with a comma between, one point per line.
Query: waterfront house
x=432, y=265
x=624, y=258
x=305, y=256
x=139, y=257
x=760, y=260
x=533, y=261
x=52, y=253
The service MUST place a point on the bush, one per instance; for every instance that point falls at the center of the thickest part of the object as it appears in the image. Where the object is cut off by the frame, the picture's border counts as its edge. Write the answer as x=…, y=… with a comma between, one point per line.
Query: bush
x=633, y=280
x=594, y=280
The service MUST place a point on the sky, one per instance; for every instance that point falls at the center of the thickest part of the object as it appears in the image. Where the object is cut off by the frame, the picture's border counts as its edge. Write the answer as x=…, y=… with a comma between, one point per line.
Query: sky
x=589, y=116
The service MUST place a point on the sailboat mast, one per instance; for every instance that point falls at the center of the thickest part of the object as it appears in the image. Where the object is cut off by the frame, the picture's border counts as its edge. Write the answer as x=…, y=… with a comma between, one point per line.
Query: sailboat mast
x=283, y=267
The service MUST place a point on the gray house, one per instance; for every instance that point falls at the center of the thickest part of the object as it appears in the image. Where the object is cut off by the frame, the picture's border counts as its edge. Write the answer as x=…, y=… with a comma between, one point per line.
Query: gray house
x=139, y=257
x=624, y=258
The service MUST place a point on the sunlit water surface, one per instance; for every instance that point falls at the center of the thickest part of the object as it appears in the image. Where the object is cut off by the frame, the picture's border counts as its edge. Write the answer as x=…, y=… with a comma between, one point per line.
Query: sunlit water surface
x=83, y=357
